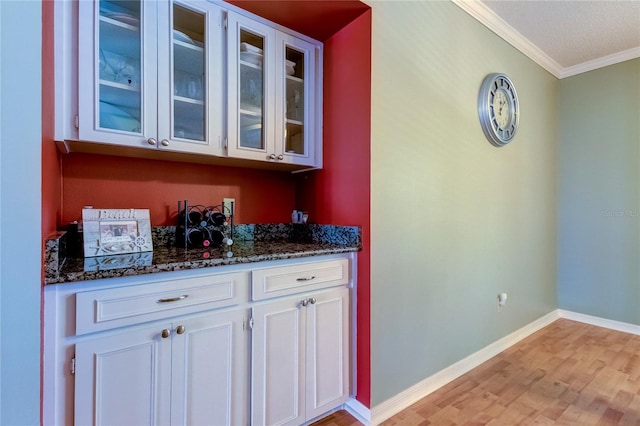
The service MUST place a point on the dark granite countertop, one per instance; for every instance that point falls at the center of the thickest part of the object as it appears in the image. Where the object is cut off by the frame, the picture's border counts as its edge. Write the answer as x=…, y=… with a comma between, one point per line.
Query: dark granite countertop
x=252, y=243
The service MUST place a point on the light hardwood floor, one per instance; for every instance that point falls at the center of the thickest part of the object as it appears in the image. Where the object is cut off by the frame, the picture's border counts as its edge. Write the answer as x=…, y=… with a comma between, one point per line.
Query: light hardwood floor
x=567, y=373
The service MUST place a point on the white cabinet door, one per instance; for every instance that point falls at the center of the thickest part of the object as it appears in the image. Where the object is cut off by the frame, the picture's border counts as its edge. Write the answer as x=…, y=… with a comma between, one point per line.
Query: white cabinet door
x=278, y=363
x=196, y=375
x=300, y=357
x=327, y=375
x=251, y=74
x=190, y=76
x=124, y=378
x=117, y=72
x=273, y=94
x=296, y=100
x=210, y=368
x=151, y=74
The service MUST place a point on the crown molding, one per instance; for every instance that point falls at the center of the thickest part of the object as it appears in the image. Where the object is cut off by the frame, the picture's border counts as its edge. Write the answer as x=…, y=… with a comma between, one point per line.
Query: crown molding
x=605, y=61
x=495, y=23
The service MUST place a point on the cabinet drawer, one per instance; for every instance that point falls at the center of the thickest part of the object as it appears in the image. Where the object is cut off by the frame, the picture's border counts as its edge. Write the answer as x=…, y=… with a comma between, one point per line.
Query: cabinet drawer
x=103, y=309
x=284, y=280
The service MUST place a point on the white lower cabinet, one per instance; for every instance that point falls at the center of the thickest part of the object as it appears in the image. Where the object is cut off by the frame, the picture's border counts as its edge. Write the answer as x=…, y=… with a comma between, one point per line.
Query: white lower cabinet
x=261, y=345
x=123, y=379
x=188, y=372
x=300, y=357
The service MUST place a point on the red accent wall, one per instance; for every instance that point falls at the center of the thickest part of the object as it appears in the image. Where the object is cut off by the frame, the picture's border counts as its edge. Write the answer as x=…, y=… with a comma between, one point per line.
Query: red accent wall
x=340, y=192
x=119, y=182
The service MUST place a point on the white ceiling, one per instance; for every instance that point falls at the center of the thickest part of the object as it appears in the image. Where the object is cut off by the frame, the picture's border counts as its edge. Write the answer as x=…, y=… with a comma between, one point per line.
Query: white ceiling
x=566, y=37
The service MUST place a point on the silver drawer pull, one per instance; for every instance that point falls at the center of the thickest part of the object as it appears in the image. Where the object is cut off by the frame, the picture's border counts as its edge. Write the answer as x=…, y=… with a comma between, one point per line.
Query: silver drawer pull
x=306, y=278
x=173, y=299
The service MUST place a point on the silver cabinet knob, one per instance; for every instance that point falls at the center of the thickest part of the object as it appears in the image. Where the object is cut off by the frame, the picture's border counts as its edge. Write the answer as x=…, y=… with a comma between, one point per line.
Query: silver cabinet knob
x=312, y=300
x=304, y=302
x=164, y=142
x=280, y=157
x=152, y=141
x=272, y=157
x=180, y=329
x=165, y=333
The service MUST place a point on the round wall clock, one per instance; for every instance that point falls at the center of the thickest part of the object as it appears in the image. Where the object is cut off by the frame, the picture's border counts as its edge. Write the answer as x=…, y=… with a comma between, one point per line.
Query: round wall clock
x=498, y=109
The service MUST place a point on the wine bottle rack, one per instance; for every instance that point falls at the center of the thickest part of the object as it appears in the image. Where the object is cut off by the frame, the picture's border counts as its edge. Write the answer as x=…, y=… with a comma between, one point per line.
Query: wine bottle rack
x=201, y=226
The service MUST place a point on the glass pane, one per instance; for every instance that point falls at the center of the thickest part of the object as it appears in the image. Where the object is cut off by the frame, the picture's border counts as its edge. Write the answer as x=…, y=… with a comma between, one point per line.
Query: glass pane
x=120, y=65
x=188, y=74
x=294, y=98
x=251, y=91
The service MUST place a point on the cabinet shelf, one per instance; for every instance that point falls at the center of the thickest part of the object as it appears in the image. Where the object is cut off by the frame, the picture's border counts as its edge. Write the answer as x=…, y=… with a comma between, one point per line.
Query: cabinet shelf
x=250, y=65
x=188, y=100
x=120, y=86
x=251, y=113
x=295, y=122
x=294, y=79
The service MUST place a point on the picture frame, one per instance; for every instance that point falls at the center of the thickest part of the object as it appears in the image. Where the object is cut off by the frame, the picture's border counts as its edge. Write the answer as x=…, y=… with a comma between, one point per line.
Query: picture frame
x=116, y=231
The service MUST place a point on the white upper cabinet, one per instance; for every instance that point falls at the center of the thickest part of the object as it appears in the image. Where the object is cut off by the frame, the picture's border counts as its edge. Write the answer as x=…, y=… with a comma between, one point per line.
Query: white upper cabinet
x=186, y=76
x=273, y=99
x=150, y=74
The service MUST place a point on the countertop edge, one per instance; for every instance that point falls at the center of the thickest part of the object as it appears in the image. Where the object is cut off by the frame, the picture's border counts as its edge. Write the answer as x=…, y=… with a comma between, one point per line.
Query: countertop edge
x=74, y=277
x=258, y=243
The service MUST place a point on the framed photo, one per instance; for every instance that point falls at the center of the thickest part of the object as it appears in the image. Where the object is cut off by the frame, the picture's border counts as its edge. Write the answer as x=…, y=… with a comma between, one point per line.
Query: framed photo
x=116, y=231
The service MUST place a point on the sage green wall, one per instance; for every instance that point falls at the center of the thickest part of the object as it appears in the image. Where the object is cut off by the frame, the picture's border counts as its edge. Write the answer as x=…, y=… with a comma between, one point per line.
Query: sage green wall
x=454, y=220
x=599, y=193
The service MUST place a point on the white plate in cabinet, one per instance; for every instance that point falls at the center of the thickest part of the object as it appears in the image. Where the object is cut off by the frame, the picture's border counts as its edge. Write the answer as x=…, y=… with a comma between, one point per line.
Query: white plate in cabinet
x=116, y=307
x=284, y=280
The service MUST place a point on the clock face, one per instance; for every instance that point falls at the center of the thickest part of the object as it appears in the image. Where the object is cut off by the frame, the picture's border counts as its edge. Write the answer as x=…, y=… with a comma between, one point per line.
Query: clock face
x=498, y=109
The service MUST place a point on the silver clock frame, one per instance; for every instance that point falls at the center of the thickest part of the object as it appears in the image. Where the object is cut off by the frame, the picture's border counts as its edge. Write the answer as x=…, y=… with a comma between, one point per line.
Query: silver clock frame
x=497, y=135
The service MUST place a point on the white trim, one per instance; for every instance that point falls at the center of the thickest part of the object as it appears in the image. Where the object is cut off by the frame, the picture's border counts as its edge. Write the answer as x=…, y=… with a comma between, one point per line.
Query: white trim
x=359, y=411
x=404, y=399
x=600, y=322
x=495, y=23
x=605, y=61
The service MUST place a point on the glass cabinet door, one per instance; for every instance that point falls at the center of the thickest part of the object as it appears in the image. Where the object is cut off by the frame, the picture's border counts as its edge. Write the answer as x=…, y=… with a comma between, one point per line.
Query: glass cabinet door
x=120, y=65
x=189, y=82
x=296, y=75
x=252, y=83
x=190, y=76
x=115, y=76
x=250, y=70
x=294, y=137
x=272, y=94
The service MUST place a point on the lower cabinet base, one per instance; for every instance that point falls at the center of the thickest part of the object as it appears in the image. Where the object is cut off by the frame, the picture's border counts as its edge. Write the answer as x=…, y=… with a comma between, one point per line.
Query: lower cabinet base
x=215, y=356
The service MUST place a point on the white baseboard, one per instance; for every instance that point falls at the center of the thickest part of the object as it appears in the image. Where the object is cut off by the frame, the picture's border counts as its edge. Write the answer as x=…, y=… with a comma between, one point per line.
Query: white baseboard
x=418, y=391
x=404, y=399
x=359, y=411
x=600, y=322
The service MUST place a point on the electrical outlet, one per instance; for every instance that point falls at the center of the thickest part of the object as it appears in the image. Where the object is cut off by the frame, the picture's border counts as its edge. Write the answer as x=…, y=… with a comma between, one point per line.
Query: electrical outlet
x=229, y=206
x=502, y=299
